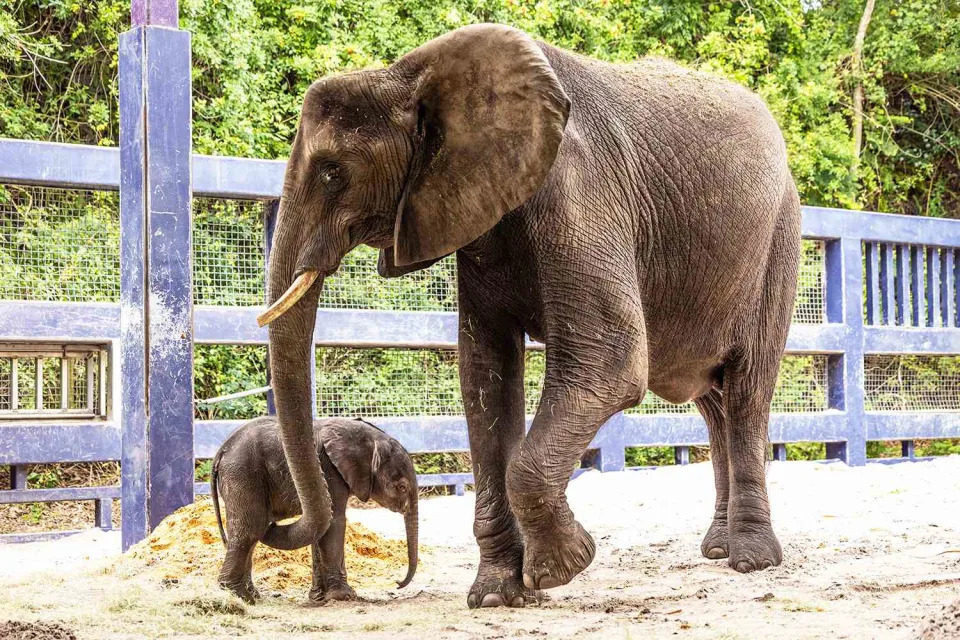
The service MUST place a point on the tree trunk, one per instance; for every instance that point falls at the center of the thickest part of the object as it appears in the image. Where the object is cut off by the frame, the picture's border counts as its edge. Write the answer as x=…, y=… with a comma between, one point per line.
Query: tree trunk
x=856, y=62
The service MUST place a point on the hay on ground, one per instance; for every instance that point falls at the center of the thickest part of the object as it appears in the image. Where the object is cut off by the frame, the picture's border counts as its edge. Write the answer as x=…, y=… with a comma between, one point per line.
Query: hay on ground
x=187, y=543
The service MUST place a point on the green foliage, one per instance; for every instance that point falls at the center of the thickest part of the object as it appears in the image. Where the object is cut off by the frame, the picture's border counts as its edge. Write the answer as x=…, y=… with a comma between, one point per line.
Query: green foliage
x=253, y=60
x=224, y=369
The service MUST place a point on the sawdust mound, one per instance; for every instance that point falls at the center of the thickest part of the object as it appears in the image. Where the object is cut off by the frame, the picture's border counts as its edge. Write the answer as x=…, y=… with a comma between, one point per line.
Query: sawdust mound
x=13, y=630
x=187, y=543
x=944, y=625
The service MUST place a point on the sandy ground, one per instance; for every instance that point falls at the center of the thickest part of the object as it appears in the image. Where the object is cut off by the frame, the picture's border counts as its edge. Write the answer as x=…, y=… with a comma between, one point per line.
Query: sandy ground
x=869, y=553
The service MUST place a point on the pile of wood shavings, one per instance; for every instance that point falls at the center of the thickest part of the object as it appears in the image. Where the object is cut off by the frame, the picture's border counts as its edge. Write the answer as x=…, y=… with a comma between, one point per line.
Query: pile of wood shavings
x=187, y=543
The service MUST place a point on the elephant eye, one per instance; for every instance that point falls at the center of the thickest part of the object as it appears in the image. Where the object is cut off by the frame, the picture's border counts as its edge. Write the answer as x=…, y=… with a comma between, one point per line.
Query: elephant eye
x=331, y=176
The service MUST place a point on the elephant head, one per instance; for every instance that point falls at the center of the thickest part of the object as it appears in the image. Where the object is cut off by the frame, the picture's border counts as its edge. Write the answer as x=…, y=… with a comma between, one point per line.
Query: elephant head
x=376, y=466
x=418, y=160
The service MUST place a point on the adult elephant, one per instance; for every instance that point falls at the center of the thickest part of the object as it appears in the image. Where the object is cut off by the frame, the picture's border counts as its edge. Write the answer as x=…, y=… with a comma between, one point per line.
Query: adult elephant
x=639, y=220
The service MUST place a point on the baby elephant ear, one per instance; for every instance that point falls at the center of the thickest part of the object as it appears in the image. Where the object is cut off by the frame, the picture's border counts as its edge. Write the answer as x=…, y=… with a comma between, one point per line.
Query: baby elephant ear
x=352, y=451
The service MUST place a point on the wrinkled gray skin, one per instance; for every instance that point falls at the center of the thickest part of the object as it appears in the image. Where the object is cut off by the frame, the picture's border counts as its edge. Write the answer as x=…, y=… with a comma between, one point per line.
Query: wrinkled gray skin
x=250, y=474
x=639, y=219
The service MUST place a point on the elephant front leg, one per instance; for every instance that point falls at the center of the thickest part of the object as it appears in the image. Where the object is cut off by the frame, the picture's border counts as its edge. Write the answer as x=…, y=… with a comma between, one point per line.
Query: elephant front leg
x=586, y=383
x=715, y=542
x=491, y=376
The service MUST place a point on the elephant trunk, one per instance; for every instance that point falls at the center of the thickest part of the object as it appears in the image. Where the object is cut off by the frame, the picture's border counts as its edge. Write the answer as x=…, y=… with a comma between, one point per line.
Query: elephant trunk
x=412, y=523
x=291, y=317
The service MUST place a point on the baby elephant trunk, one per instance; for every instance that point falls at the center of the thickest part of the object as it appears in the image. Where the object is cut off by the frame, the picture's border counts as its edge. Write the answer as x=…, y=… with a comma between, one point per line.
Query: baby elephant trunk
x=413, y=530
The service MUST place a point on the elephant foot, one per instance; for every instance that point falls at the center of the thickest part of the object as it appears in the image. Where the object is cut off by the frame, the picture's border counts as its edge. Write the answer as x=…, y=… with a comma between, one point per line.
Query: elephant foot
x=753, y=546
x=715, y=544
x=498, y=587
x=341, y=593
x=244, y=590
x=554, y=555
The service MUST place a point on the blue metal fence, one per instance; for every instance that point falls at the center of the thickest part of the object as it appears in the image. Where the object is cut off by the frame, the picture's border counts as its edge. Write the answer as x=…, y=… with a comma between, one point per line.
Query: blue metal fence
x=892, y=286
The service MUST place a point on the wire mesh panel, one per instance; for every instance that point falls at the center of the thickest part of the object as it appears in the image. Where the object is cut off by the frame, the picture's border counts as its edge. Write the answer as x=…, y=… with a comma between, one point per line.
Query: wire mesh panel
x=59, y=244
x=356, y=285
x=228, y=265
x=400, y=382
x=221, y=369
x=809, y=305
x=912, y=383
x=801, y=385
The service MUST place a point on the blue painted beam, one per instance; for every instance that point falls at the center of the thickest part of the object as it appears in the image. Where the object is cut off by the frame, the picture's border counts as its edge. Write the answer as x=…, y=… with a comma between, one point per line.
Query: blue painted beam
x=888, y=303
x=156, y=290
x=59, y=321
x=933, y=287
x=46, y=443
x=902, y=286
x=916, y=286
x=912, y=425
x=70, y=494
x=820, y=222
x=100, y=322
x=872, y=284
x=908, y=340
x=78, y=166
x=947, y=289
x=816, y=338
x=847, y=391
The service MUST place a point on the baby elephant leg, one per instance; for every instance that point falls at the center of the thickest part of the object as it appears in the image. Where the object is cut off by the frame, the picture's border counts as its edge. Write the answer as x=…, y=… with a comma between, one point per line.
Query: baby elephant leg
x=329, y=570
x=237, y=571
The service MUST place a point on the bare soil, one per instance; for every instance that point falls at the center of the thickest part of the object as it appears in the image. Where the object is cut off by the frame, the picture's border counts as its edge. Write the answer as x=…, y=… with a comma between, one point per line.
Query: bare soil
x=869, y=552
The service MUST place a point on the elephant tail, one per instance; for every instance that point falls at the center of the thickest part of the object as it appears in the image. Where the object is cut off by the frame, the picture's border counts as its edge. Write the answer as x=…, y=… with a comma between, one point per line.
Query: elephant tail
x=214, y=477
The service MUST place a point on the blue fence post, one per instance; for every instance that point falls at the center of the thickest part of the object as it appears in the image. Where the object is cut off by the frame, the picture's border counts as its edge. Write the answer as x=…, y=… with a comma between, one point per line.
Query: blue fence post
x=610, y=454
x=156, y=293
x=18, y=476
x=844, y=266
x=270, y=210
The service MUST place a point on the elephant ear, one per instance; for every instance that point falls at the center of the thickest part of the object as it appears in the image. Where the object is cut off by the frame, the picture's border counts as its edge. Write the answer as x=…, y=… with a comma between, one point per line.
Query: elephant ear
x=354, y=453
x=490, y=114
x=387, y=266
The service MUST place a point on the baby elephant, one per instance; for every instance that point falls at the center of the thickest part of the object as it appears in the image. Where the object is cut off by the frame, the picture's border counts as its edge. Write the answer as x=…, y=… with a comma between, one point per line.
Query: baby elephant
x=251, y=474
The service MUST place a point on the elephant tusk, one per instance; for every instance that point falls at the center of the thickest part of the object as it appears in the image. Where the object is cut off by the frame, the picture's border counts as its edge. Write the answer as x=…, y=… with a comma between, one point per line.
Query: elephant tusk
x=289, y=298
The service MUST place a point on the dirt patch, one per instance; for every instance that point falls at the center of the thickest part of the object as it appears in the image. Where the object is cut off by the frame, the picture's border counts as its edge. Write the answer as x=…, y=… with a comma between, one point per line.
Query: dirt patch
x=13, y=630
x=187, y=543
x=944, y=625
x=870, y=553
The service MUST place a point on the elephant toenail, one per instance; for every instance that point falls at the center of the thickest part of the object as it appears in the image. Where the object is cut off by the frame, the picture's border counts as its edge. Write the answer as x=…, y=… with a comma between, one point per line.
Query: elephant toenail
x=519, y=601
x=491, y=600
x=766, y=564
x=472, y=601
x=744, y=567
x=716, y=553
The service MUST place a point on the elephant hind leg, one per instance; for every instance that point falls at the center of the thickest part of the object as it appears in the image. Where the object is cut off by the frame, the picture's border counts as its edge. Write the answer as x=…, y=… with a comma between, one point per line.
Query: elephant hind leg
x=715, y=543
x=236, y=575
x=750, y=377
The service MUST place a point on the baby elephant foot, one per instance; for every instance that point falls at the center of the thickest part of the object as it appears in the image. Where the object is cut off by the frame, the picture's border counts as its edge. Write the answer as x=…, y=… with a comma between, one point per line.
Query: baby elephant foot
x=339, y=592
x=555, y=555
x=753, y=546
x=715, y=544
x=243, y=590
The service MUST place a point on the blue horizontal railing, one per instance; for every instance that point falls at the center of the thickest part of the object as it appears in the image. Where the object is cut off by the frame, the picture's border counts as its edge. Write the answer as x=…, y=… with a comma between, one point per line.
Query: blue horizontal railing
x=876, y=302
